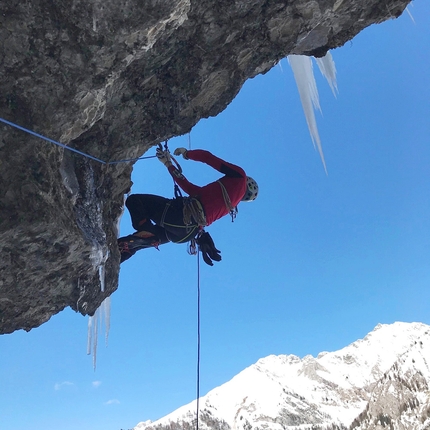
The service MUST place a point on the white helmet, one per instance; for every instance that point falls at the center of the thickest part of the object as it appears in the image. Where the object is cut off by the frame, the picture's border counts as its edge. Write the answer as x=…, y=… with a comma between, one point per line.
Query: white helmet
x=251, y=190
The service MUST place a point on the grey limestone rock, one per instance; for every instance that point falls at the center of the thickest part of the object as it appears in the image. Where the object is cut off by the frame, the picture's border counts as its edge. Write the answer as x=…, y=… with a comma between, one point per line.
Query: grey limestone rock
x=113, y=79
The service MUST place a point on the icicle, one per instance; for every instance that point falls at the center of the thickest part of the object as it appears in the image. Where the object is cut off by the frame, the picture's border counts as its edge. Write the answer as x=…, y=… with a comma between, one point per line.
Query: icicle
x=89, y=336
x=305, y=80
x=91, y=222
x=410, y=14
x=101, y=315
x=102, y=277
x=328, y=70
x=99, y=258
x=106, y=305
x=95, y=337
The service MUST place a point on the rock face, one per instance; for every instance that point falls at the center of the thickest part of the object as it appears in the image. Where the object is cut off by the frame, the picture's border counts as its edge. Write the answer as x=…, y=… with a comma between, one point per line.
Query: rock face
x=112, y=79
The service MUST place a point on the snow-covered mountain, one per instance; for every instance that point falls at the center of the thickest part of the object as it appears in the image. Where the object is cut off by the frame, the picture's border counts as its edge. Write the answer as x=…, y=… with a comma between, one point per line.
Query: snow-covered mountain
x=379, y=382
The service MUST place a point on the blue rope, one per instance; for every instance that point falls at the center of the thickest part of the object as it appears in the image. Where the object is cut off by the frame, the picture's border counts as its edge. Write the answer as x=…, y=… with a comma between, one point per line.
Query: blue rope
x=131, y=159
x=62, y=145
x=51, y=140
x=198, y=340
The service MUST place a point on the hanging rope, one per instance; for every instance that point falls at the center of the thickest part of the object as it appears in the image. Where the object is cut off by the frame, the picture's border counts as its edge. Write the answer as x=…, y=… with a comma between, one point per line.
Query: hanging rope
x=192, y=250
x=69, y=148
x=62, y=145
x=198, y=339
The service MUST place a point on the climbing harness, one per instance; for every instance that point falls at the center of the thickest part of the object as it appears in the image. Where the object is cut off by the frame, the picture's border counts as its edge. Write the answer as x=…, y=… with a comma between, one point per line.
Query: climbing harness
x=193, y=209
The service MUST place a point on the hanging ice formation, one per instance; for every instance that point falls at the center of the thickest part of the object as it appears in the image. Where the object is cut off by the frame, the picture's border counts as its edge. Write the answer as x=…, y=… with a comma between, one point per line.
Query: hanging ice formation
x=305, y=80
x=328, y=70
x=410, y=14
x=102, y=314
x=90, y=223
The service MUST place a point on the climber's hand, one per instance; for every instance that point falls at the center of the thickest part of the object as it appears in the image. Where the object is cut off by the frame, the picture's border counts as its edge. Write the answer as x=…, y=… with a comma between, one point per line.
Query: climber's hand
x=209, y=256
x=208, y=249
x=181, y=151
x=164, y=156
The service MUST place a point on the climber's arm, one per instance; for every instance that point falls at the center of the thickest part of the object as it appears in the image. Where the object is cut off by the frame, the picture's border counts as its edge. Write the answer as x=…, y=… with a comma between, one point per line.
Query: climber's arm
x=228, y=169
x=191, y=189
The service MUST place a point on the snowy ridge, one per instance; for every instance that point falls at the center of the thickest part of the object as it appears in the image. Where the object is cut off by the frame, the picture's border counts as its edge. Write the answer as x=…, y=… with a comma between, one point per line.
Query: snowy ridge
x=383, y=378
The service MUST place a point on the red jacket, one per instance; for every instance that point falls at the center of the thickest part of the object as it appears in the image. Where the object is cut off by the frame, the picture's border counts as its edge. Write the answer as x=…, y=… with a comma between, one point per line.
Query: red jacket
x=210, y=196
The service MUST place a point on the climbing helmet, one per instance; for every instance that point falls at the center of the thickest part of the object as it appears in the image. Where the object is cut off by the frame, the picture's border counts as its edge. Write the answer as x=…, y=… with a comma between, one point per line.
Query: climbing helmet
x=251, y=190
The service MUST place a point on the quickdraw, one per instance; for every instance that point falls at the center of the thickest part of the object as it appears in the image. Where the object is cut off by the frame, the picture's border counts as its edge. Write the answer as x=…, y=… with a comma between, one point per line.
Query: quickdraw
x=176, y=190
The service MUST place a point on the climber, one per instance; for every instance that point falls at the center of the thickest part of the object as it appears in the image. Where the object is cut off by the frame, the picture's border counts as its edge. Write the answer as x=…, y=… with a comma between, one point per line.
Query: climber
x=158, y=220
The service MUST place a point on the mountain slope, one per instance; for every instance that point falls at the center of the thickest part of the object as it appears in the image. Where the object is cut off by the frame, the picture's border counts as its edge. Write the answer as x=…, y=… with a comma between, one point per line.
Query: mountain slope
x=381, y=380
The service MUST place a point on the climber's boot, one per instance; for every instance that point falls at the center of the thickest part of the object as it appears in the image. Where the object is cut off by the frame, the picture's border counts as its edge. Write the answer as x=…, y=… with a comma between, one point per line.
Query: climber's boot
x=129, y=245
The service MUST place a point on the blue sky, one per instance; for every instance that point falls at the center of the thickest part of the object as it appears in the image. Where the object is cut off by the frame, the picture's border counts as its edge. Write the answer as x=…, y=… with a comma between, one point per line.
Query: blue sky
x=313, y=264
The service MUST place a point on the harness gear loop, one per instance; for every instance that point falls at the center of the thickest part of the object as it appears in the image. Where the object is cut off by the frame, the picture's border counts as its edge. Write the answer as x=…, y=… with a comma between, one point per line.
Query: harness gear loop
x=193, y=209
x=192, y=248
x=232, y=210
x=166, y=208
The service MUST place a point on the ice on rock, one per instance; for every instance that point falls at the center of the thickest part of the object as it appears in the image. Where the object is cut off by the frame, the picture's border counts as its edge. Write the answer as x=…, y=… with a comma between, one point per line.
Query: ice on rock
x=98, y=257
x=118, y=222
x=90, y=220
x=68, y=176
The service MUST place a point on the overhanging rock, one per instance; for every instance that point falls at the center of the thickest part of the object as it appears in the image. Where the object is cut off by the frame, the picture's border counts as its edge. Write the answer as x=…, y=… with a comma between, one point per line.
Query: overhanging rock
x=112, y=79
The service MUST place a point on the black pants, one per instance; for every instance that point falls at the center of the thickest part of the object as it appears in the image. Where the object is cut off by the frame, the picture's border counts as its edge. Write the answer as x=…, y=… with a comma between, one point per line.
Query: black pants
x=160, y=216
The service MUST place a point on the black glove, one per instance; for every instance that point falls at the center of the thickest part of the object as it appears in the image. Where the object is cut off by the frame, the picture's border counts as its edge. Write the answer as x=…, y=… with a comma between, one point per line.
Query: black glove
x=208, y=249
